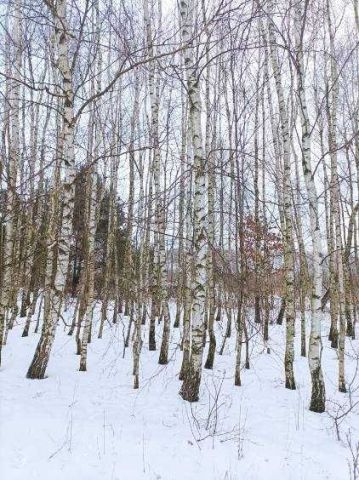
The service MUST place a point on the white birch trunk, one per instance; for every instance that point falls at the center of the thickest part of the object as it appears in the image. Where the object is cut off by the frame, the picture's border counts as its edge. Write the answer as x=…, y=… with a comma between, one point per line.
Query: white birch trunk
x=317, y=403
x=192, y=380
x=12, y=125
x=287, y=210
x=39, y=363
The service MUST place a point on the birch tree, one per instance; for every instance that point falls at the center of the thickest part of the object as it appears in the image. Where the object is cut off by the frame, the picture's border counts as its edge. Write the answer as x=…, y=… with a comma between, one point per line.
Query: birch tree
x=65, y=149
x=287, y=207
x=317, y=403
x=192, y=378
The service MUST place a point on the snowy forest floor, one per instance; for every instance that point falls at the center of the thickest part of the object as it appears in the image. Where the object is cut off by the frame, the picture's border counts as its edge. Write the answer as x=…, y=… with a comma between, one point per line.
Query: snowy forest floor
x=90, y=426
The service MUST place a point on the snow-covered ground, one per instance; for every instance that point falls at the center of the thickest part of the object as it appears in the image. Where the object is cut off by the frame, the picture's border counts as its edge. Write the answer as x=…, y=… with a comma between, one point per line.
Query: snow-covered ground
x=94, y=426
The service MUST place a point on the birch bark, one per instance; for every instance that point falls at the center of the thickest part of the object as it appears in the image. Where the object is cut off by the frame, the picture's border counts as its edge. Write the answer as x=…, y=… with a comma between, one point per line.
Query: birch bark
x=317, y=403
x=39, y=363
x=192, y=380
x=287, y=207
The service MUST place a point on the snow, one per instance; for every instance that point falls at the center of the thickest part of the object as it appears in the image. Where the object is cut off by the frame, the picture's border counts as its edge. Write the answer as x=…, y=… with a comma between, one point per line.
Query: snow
x=92, y=425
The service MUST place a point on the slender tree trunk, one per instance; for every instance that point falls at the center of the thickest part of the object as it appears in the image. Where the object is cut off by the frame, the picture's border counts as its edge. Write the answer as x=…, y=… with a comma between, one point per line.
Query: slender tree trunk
x=288, y=235
x=192, y=380
x=40, y=361
x=317, y=403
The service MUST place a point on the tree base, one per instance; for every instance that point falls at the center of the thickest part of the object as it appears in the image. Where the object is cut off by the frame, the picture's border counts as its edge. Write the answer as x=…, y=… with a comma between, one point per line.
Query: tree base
x=237, y=381
x=163, y=360
x=317, y=403
x=290, y=384
x=36, y=373
x=211, y=352
x=190, y=387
